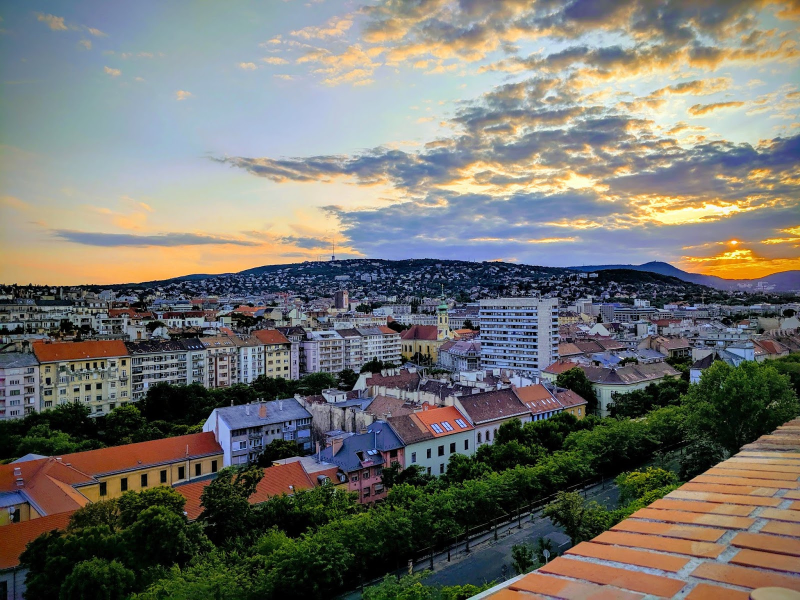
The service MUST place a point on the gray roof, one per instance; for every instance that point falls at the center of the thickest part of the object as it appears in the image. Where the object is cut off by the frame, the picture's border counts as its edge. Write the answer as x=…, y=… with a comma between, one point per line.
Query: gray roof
x=363, y=450
x=16, y=360
x=277, y=411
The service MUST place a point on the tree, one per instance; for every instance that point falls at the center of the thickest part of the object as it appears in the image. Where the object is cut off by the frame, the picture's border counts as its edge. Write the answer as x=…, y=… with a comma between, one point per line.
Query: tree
x=397, y=326
x=469, y=325
x=226, y=507
x=580, y=520
x=373, y=366
x=364, y=308
x=734, y=406
x=125, y=425
x=277, y=450
x=523, y=558
x=635, y=484
x=42, y=440
x=314, y=383
x=575, y=379
x=347, y=379
x=98, y=578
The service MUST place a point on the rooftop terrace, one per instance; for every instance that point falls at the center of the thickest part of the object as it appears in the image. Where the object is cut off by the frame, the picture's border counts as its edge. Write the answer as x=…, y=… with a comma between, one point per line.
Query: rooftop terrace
x=731, y=530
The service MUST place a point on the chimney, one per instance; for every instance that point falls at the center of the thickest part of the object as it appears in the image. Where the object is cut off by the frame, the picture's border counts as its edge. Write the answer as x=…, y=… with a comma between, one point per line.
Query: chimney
x=280, y=404
x=336, y=444
x=247, y=409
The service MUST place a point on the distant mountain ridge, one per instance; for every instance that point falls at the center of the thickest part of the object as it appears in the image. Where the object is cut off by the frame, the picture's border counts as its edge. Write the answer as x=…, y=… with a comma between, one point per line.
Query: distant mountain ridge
x=785, y=281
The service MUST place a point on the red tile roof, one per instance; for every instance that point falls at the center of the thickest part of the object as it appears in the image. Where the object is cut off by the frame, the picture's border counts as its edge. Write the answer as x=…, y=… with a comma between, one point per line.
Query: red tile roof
x=421, y=332
x=276, y=481
x=387, y=330
x=18, y=535
x=62, y=351
x=560, y=366
x=270, y=336
x=731, y=530
x=437, y=416
x=136, y=456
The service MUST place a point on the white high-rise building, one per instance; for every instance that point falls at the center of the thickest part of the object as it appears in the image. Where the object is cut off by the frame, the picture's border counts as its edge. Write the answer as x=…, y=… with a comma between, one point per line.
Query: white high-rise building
x=520, y=334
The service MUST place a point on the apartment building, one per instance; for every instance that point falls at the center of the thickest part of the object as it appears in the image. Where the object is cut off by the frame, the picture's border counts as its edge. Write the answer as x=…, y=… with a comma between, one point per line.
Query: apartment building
x=222, y=360
x=280, y=354
x=250, y=359
x=295, y=335
x=31, y=489
x=431, y=436
x=19, y=385
x=95, y=373
x=177, y=362
x=323, y=352
x=520, y=334
x=244, y=430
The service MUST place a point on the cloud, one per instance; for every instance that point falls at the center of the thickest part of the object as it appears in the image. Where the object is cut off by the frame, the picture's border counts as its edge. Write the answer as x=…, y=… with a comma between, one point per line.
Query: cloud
x=112, y=240
x=53, y=22
x=182, y=95
x=336, y=27
x=96, y=32
x=112, y=72
x=247, y=66
x=703, y=109
x=284, y=77
x=15, y=203
x=307, y=243
x=86, y=44
x=275, y=60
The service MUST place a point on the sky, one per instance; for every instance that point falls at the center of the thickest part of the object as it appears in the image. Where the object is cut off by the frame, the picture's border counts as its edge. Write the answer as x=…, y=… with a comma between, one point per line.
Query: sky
x=146, y=140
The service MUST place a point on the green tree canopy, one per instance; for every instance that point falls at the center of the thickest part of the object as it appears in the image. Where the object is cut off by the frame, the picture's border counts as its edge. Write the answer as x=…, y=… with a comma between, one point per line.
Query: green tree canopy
x=575, y=379
x=733, y=406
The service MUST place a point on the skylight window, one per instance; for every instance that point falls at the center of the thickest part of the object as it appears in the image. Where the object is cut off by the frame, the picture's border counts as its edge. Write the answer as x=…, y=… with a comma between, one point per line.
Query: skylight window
x=461, y=423
x=447, y=426
x=436, y=428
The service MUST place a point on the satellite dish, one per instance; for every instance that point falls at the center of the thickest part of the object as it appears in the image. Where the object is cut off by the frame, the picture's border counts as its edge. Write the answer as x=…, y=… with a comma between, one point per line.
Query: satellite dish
x=546, y=553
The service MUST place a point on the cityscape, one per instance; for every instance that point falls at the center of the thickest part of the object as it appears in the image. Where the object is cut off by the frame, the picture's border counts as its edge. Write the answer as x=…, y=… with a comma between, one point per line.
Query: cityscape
x=400, y=299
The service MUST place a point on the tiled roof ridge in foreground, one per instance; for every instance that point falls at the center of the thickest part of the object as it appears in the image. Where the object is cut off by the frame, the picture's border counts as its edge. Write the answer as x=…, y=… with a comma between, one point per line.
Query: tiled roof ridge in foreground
x=731, y=530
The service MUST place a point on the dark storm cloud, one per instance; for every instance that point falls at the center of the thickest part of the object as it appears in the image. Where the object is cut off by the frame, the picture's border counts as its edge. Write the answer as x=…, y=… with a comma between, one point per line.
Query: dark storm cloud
x=111, y=240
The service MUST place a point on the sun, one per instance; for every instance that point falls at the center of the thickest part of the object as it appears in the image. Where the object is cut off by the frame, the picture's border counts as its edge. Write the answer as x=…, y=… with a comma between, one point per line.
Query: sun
x=733, y=242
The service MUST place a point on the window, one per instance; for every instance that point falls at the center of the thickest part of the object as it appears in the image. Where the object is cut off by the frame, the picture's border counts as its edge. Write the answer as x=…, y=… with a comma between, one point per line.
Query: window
x=98, y=386
x=88, y=387
x=366, y=492
x=103, y=488
x=447, y=426
x=413, y=457
x=436, y=428
x=123, y=484
x=428, y=455
x=452, y=447
x=354, y=477
x=479, y=437
x=213, y=466
x=143, y=481
x=466, y=444
x=163, y=475
x=441, y=468
x=488, y=435
x=461, y=423
x=198, y=469
x=429, y=470
x=181, y=472
x=441, y=450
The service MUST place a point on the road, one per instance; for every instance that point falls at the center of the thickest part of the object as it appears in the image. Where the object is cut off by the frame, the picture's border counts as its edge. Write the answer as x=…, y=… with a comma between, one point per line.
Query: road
x=485, y=562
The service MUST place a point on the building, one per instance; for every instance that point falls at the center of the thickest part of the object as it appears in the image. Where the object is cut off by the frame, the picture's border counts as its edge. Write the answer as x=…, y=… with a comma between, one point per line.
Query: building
x=487, y=411
x=725, y=534
x=278, y=354
x=607, y=382
x=35, y=486
x=545, y=401
x=341, y=300
x=176, y=362
x=673, y=347
x=223, y=360
x=250, y=359
x=520, y=334
x=431, y=436
x=323, y=352
x=361, y=458
x=244, y=430
x=19, y=385
x=277, y=480
x=96, y=374
x=460, y=355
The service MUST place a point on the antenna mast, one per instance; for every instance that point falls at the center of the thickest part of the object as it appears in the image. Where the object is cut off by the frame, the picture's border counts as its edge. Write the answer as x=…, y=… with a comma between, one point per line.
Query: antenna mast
x=333, y=248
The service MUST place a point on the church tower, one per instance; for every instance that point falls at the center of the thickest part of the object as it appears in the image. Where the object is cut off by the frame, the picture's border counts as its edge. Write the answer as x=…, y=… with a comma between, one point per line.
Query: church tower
x=442, y=321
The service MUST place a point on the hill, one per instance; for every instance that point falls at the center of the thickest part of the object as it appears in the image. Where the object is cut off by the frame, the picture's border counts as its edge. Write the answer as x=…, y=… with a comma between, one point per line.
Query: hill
x=786, y=281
